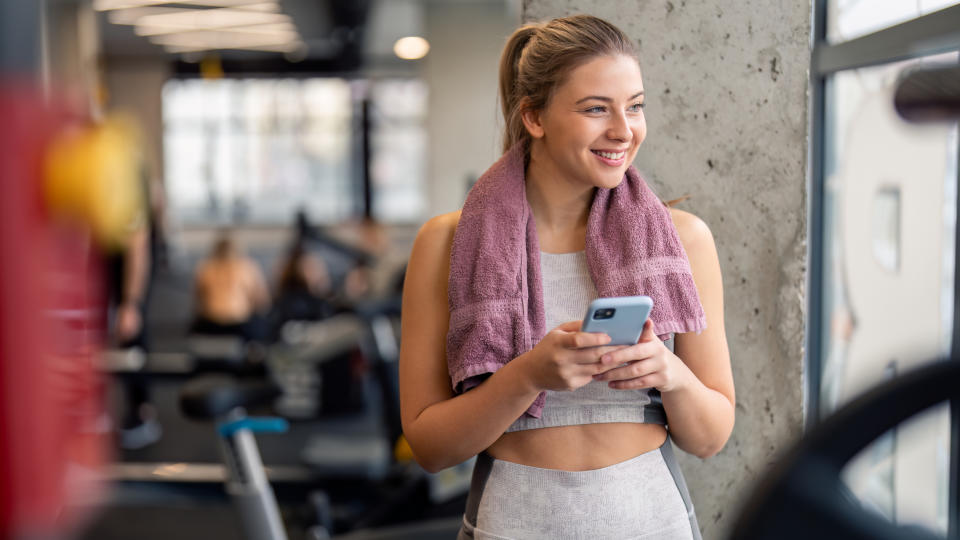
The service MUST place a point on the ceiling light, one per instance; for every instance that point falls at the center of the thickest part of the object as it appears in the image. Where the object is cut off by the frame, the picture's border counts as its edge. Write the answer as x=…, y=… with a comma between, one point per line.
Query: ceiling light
x=192, y=19
x=133, y=14
x=283, y=48
x=106, y=5
x=411, y=48
x=224, y=40
x=130, y=15
x=274, y=29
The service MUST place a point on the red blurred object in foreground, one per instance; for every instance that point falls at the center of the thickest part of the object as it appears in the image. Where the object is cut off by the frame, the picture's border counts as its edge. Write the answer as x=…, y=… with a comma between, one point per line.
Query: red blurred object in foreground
x=53, y=430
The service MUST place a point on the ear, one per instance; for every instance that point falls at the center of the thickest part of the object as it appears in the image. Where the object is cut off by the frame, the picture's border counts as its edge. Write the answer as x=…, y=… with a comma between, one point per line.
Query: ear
x=533, y=122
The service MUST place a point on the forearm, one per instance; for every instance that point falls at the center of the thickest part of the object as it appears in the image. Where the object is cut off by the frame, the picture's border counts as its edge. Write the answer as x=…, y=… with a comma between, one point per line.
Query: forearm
x=452, y=431
x=136, y=267
x=700, y=418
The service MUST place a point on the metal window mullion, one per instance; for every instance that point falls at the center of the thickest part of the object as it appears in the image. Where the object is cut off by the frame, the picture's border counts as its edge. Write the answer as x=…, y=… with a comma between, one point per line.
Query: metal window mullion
x=932, y=33
x=953, y=496
x=814, y=358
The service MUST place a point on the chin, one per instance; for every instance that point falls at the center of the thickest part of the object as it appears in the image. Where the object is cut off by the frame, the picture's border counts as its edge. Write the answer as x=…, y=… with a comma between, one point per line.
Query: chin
x=611, y=181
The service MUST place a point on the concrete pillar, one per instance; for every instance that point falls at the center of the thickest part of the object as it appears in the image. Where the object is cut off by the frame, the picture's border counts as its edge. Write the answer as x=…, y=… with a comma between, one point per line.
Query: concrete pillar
x=726, y=88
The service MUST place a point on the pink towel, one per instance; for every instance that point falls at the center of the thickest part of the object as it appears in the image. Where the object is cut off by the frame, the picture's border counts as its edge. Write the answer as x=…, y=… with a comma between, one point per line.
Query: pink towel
x=495, y=291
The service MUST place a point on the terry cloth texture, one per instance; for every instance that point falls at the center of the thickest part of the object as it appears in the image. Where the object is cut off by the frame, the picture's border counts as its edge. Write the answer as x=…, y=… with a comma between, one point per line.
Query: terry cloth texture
x=495, y=292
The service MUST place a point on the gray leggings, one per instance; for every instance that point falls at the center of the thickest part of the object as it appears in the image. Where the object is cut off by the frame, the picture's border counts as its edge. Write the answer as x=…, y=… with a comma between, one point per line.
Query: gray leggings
x=642, y=498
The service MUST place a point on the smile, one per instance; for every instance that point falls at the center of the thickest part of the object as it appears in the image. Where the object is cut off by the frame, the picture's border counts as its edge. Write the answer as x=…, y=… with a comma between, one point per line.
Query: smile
x=610, y=159
x=609, y=155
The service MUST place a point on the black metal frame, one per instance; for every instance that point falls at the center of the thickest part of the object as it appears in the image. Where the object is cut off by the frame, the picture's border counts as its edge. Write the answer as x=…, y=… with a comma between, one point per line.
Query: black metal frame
x=933, y=33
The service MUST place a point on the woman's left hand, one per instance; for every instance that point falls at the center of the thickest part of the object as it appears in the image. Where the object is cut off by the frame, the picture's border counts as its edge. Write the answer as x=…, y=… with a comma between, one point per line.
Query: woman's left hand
x=649, y=364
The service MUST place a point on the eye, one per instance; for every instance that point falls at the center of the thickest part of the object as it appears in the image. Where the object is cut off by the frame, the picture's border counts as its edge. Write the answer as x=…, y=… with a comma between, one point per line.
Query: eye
x=598, y=109
x=636, y=107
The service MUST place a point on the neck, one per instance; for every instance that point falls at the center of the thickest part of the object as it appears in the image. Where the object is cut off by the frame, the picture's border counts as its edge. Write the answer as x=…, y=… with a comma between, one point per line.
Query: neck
x=560, y=208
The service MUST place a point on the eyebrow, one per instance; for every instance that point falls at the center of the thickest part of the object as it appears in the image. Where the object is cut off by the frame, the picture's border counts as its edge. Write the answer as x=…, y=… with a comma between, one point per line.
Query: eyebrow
x=608, y=100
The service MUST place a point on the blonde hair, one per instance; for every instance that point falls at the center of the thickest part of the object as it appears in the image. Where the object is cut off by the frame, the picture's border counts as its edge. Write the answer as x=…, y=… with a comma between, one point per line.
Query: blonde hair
x=538, y=57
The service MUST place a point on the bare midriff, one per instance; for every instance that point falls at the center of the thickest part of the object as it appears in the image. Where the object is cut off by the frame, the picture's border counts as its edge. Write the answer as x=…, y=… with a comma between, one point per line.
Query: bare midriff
x=578, y=448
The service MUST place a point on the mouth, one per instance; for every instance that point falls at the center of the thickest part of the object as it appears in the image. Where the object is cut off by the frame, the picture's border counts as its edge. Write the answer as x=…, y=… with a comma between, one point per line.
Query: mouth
x=610, y=158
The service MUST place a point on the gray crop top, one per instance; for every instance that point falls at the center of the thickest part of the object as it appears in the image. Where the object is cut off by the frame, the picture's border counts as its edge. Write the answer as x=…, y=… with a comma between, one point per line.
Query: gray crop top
x=567, y=291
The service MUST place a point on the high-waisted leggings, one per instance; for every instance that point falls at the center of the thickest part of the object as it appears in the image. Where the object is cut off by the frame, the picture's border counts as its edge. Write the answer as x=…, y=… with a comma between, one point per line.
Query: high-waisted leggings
x=642, y=498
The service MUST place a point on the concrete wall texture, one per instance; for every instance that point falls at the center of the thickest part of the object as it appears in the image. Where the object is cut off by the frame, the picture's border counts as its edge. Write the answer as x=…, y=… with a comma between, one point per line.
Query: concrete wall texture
x=726, y=88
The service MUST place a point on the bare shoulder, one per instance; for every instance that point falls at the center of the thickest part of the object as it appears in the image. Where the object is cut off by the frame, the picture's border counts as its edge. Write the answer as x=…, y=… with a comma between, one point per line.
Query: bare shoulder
x=438, y=231
x=430, y=257
x=694, y=233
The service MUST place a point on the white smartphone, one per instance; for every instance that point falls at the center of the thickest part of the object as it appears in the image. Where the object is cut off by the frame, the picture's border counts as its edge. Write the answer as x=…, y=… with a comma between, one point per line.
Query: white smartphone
x=620, y=317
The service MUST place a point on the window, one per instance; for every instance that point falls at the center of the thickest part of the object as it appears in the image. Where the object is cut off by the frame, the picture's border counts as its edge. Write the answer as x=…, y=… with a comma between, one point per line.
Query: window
x=259, y=150
x=884, y=221
x=849, y=19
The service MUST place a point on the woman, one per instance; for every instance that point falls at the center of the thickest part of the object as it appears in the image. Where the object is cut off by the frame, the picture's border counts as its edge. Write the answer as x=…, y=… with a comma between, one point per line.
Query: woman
x=570, y=434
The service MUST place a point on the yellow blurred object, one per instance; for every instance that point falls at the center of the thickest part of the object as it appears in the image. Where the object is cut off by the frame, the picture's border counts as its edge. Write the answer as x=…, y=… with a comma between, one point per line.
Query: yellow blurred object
x=211, y=67
x=92, y=175
x=402, y=451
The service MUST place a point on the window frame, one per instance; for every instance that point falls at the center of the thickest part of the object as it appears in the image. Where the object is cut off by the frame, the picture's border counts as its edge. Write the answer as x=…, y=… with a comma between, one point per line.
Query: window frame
x=929, y=34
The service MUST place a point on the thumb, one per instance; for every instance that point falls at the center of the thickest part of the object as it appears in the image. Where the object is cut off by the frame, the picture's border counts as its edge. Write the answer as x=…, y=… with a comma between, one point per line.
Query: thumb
x=649, y=332
x=570, y=326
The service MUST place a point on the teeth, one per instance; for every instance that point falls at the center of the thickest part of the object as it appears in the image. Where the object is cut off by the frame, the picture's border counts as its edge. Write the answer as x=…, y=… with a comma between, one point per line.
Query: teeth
x=610, y=155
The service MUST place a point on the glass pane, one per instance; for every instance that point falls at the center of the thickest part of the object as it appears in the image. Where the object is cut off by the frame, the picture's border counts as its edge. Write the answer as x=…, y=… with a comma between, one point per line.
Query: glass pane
x=398, y=147
x=258, y=150
x=889, y=218
x=849, y=19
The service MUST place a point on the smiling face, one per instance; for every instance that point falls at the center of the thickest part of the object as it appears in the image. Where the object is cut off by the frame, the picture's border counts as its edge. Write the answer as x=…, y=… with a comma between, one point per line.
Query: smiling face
x=593, y=124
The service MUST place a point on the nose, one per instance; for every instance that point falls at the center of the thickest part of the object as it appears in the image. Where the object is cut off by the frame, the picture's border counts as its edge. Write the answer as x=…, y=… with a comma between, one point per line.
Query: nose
x=619, y=128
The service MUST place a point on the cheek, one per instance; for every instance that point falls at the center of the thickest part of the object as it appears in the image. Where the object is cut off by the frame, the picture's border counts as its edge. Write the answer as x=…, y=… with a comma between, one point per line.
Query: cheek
x=640, y=130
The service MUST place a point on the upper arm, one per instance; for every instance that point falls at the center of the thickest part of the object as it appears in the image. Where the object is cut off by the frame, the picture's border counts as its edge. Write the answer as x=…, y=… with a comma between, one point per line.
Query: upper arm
x=424, y=379
x=706, y=353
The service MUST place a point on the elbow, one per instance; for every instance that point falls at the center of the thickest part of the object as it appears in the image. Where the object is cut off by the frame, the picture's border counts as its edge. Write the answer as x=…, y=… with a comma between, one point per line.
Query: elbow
x=426, y=457
x=708, y=451
x=705, y=448
x=431, y=466
x=430, y=463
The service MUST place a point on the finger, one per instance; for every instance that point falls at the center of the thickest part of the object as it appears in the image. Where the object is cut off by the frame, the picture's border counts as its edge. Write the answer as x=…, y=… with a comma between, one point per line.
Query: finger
x=570, y=326
x=580, y=340
x=595, y=355
x=649, y=332
x=636, y=383
x=629, y=371
x=631, y=353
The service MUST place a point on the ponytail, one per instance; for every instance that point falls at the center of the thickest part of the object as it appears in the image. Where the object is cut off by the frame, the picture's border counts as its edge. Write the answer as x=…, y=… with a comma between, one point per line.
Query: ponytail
x=513, y=130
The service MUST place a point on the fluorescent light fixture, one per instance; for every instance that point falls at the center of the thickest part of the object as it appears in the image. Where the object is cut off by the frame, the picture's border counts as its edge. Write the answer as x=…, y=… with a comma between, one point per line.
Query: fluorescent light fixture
x=192, y=19
x=285, y=48
x=273, y=29
x=106, y=5
x=411, y=48
x=130, y=15
x=226, y=40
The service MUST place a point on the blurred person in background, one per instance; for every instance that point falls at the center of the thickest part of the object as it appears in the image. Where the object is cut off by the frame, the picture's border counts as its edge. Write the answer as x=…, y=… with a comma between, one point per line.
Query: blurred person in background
x=128, y=273
x=304, y=287
x=231, y=293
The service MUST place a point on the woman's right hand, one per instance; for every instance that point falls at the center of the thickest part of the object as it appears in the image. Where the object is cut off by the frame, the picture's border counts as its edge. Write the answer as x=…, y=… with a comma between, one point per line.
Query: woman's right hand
x=566, y=358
